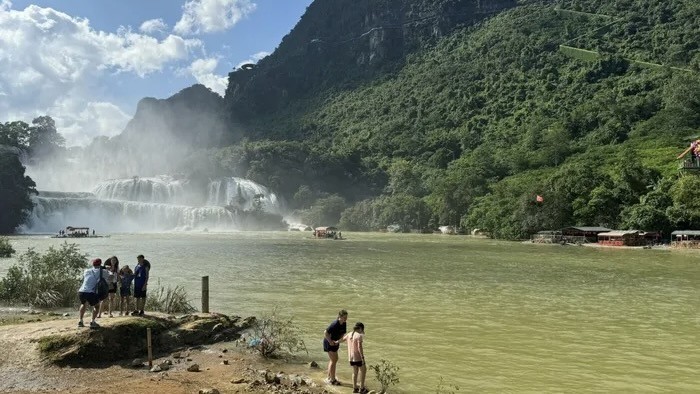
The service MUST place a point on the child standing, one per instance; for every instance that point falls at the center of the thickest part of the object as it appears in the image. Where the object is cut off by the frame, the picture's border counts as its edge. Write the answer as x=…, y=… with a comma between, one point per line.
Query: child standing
x=127, y=276
x=356, y=354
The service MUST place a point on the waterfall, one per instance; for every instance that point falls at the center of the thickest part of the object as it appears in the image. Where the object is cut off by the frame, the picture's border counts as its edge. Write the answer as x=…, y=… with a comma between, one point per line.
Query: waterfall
x=151, y=204
x=161, y=189
x=241, y=193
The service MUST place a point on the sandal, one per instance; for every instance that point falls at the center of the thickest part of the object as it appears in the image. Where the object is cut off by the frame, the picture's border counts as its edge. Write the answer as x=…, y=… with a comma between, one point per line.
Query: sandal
x=336, y=382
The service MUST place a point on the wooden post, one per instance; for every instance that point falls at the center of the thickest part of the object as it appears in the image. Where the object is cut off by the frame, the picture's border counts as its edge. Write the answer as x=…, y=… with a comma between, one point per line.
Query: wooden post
x=150, y=347
x=205, y=294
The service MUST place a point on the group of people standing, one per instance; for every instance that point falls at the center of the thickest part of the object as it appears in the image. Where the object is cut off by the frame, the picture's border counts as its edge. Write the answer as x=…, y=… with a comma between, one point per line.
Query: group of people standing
x=116, y=278
x=332, y=336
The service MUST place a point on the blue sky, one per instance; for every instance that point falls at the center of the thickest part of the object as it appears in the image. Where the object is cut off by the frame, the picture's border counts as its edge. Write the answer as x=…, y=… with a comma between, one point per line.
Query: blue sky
x=87, y=63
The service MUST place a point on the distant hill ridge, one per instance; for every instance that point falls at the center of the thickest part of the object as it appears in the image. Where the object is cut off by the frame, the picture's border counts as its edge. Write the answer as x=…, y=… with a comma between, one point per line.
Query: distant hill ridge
x=423, y=113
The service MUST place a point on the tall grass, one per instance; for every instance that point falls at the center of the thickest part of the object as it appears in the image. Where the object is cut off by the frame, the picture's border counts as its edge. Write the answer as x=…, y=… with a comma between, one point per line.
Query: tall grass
x=169, y=300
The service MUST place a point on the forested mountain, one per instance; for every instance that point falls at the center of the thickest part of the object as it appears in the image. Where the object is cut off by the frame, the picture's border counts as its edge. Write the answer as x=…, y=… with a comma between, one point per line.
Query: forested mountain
x=572, y=100
x=424, y=113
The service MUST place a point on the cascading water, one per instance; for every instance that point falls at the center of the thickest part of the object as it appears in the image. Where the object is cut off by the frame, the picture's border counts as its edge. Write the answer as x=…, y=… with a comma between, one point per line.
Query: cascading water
x=243, y=194
x=161, y=189
x=152, y=204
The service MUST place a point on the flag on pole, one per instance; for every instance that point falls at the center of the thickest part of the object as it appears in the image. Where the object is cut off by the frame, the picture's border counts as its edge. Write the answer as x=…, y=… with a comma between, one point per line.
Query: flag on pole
x=539, y=198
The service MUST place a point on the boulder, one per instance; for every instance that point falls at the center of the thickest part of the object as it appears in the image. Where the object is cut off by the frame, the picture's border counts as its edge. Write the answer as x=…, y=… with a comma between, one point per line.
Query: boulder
x=193, y=368
x=137, y=363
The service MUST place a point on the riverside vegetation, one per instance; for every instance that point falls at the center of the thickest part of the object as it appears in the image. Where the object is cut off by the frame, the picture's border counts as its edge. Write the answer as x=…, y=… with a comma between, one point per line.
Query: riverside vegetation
x=467, y=126
x=6, y=250
x=52, y=279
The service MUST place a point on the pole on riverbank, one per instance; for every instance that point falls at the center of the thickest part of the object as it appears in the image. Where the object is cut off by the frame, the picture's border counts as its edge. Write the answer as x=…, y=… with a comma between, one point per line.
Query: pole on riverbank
x=205, y=294
x=150, y=347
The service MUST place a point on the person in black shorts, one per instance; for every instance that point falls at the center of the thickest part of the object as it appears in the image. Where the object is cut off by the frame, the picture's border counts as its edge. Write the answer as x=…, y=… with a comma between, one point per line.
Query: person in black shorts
x=141, y=273
x=331, y=337
x=87, y=294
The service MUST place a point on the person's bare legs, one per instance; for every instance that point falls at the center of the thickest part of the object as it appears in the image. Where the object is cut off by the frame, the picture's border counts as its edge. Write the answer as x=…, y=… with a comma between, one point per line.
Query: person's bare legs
x=332, y=362
x=110, y=299
x=363, y=374
x=98, y=307
x=124, y=305
x=95, y=310
x=355, y=368
x=81, y=312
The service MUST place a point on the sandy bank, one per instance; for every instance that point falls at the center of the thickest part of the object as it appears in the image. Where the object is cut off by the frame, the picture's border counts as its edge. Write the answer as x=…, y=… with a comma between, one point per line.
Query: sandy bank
x=52, y=356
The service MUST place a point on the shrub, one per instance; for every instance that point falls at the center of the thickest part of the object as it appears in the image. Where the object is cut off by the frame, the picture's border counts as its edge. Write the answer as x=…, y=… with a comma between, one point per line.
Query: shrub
x=169, y=300
x=387, y=374
x=273, y=333
x=48, y=280
x=444, y=388
x=6, y=249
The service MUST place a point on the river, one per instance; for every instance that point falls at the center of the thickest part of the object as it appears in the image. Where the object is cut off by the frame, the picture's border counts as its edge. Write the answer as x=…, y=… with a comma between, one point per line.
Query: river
x=487, y=316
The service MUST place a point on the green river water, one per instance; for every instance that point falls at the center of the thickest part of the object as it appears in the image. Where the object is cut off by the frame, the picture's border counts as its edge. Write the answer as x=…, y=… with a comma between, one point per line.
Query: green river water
x=488, y=316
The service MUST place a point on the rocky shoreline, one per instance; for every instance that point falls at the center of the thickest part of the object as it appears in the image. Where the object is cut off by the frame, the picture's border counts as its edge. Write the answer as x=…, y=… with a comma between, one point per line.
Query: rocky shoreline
x=193, y=353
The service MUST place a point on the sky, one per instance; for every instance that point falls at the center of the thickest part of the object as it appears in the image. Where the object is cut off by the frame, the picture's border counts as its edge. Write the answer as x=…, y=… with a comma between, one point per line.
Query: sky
x=87, y=63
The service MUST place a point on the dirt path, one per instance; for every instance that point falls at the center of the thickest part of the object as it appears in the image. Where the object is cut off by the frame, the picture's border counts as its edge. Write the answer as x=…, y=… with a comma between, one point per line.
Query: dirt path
x=223, y=366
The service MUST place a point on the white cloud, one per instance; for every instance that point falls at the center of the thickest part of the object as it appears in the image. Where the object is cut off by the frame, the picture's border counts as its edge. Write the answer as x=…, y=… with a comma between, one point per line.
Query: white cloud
x=253, y=58
x=52, y=63
x=80, y=126
x=208, y=16
x=203, y=71
x=153, y=26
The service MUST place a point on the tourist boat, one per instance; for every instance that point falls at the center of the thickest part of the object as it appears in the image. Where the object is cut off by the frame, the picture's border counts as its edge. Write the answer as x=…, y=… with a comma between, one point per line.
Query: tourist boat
x=76, y=232
x=327, y=233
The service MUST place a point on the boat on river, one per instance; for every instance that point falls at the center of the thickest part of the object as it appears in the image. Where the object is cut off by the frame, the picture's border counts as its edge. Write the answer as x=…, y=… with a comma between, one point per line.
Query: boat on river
x=77, y=232
x=327, y=233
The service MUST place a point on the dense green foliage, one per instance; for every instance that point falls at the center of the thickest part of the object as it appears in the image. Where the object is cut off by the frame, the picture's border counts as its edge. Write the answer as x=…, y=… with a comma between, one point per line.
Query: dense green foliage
x=6, y=249
x=37, y=141
x=15, y=191
x=471, y=130
x=46, y=280
x=426, y=113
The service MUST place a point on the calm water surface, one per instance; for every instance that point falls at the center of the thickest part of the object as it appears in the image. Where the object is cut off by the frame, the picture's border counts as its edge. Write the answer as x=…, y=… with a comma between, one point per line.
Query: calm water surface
x=485, y=315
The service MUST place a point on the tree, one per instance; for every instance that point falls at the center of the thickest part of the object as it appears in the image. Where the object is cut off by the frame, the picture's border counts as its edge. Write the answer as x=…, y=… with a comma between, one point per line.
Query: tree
x=15, y=134
x=44, y=139
x=325, y=211
x=15, y=191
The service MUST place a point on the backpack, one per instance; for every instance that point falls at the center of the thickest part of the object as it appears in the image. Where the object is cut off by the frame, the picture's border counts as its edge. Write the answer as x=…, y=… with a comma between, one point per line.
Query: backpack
x=102, y=287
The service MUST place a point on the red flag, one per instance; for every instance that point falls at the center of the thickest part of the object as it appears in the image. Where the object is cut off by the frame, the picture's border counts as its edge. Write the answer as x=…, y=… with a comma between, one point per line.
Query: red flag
x=539, y=198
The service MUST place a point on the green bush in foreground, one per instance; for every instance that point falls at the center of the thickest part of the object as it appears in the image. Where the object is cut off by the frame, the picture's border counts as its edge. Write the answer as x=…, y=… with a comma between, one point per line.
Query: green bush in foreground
x=6, y=250
x=169, y=300
x=273, y=333
x=45, y=280
x=387, y=374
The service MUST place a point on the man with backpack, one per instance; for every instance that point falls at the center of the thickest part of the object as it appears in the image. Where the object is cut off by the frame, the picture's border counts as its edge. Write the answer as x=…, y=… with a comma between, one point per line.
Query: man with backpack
x=94, y=286
x=141, y=274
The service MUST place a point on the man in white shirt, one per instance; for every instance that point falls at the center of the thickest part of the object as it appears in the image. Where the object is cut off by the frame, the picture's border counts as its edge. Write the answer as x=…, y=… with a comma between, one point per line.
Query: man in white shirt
x=88, y=291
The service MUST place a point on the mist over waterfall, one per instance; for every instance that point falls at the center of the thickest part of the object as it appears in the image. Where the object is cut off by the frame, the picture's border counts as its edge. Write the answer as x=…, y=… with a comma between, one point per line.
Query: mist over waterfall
x=160, y=203
x=241, y=193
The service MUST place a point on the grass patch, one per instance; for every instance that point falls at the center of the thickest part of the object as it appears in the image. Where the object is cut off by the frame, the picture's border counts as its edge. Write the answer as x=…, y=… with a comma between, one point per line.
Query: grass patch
x=169, y=300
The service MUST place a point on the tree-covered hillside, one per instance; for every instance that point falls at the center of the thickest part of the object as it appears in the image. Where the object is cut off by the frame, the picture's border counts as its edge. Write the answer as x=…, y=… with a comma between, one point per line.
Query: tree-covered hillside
x=470, y=130
x=426, y=113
